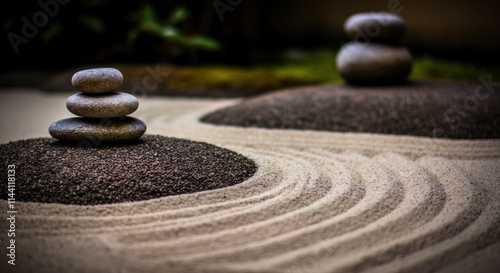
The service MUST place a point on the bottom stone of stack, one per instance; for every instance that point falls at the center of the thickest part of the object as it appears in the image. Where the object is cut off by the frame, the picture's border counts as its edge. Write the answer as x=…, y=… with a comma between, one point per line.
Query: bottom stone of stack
x=372, y=62
x=92, y=131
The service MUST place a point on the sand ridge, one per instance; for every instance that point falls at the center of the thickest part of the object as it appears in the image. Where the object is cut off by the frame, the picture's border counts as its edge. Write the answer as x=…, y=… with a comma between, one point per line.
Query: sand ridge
x=319, y=202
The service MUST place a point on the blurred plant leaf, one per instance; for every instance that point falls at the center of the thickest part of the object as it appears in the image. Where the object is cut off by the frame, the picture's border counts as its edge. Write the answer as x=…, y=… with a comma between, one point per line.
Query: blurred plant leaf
x=93, y=22
x=50, y=32
x=132, y=35
x=148, y=20
x=203, y=42
x=170, y=32
x=174, y=35
x=178, y=15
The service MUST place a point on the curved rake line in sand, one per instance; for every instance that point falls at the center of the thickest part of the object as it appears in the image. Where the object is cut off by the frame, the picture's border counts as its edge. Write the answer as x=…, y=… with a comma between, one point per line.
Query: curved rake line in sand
x=345, y=193
x=208, y=225
x=413, y=240
x=458, y=209
x=439, y=223
x=454, y=217
x=433, y=232
x=380, y=198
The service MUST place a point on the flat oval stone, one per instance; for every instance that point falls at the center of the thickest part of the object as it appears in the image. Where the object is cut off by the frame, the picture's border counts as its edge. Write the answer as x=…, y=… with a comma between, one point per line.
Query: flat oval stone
x=365, y=27
x=97, y=80
x=95, y=131
x=360, y=62
x=109, y=105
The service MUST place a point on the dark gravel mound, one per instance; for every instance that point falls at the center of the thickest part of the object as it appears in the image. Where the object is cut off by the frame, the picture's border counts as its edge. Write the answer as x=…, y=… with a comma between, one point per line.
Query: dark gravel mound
x=49, y=171
x=424, y=108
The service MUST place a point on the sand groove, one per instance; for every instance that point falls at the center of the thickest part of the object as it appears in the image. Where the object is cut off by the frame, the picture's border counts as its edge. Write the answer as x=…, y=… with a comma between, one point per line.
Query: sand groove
x=320, y=202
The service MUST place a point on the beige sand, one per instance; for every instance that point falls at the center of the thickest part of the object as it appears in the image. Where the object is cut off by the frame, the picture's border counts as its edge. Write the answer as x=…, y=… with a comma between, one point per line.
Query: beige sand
x=320, y=202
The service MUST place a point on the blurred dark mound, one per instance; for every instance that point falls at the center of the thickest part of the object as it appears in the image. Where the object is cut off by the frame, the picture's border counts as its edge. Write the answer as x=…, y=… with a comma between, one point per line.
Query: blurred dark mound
x=436, y=109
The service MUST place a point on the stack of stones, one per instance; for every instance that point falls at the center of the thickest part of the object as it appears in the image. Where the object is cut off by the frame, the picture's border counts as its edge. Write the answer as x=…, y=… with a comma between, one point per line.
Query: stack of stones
x=103, y=111
x=376, y=54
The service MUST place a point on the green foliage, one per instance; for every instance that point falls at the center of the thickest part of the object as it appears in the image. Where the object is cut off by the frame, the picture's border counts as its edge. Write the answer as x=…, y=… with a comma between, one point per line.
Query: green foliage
x=427, y=67
x=306, y=67
x=51, y=31
x=178, y=15
x=123, y=33
x=319, y=67
x=148, y=22
x=93, y=22
x=295, y=68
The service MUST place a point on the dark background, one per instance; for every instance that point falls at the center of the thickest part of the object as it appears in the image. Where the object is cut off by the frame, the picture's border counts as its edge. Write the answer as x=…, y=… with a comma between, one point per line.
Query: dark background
x=252, y=32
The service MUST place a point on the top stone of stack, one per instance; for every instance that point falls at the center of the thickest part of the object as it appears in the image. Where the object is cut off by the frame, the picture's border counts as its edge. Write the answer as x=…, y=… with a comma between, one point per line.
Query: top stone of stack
x=97, y=80
x=381, y=26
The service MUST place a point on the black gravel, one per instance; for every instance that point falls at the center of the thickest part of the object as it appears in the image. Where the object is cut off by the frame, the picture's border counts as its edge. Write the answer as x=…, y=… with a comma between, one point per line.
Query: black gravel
x=49, y=171
x=424, y=108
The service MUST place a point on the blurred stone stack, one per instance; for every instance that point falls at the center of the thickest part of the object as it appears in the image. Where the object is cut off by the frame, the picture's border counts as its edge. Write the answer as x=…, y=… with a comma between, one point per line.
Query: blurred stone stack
x=376, y=55
x=103, y=111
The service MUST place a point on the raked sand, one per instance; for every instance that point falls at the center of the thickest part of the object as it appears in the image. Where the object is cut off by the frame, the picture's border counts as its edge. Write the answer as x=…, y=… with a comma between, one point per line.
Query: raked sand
x=319, y=202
